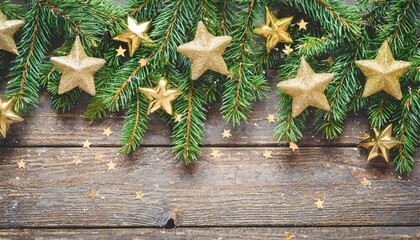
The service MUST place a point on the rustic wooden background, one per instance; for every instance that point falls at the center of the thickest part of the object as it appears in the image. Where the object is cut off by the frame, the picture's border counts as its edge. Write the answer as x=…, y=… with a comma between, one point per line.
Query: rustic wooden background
x=240, y=195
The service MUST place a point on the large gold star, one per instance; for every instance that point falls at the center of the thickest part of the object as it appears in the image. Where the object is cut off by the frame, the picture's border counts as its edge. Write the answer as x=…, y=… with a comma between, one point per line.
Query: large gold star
x=383, y=73
x=160, y=97
x=307, y=89
x=381, y=144
x=77, y=69
x=7, y=29
x=275, y=30
x=135, y=35
x=7, y=116
x=205, y=52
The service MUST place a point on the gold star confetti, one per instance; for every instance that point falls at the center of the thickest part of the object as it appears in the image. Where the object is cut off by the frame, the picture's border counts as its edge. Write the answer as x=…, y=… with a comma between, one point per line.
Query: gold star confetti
x=178, y=117
x=21, y=164
x=143, y=62
x=288, y=236
x=383, y=73
x=160, y=97
x=135, y=35
x=293, y=146
x=287, y=50
x=7, y=116
x=93, y=194
x=302, y=24
x=120, y=51
x=205, y=52
x=139, y=195
x=86, y=144
x=270, y=118
x=77, y=161
x=307, y=89
x=107, y=131
x=226, y=133
x=275, y=30
x=381, y=144
x=267, y=154
x=111, y=165
x=77, y=70
x=365, y=183
x=319, y=204
x=215, y=153
x=330, y=61
x=7, y=29
x=98, y=156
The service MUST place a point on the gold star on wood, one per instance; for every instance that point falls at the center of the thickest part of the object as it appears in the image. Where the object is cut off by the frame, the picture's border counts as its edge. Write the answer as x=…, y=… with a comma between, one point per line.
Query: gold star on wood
x=98, y=156
x=205, y=52
x=307, y=89
x=107, y=131
x=302, y=24
x=77, y=161
x=287, y=50
x=288, y=236
x=270, y=118
x=111, y=165
x=92, y=194
x=226, y=133
x=319, y=204
x=215, y=153
x=160, y=97
x=293, y=146
x=21, y=164
x=77, y=70
x=267, y=154
x=365, y=183
x=135, y=35
x=143, y=62
x=86, y=144
x=383, y=73
x=8, y=28
x=7, y=117
x=178, y=118
x=139, y=195
x=381, y=144
x=275, y=30
x=120, y=51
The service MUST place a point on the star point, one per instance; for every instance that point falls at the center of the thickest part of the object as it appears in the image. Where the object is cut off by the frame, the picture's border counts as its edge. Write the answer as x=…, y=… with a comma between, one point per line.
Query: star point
x=226, y=133
x=178, y=118
x=160, y=97
x=135, y=34
x=7, y=117
x=7, y=29
x=267, y=154
x=21, y=164
x=319, y=204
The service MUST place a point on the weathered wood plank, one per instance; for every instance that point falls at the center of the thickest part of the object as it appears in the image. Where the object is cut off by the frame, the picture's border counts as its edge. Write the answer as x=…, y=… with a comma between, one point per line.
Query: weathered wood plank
x=240, y=188
x=373, y=233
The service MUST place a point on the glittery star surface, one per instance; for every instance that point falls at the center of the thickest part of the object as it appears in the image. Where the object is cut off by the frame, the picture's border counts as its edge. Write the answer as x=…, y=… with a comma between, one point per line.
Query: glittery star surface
x=7, y=116
x=160, y=97
x=7, y=29
x=135, y=35
x=307, y=89
x=205, y=52
x=77, y=69
x=383, y=73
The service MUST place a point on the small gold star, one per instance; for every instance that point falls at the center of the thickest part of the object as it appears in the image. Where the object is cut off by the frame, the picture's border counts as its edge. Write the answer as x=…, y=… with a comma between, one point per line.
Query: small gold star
x=86, y=144
x=120, y=51
x=270, y=118
x=329, y=61
x=287, y=50
x=365, y=183
x=178, y=117
x=267, y=154
x=107, y=131
x=302, y=24
x=215, y=153
x=226, y=133
x=293, y=146
x=21, y=164
x=111, y=165
x=319, y=204
x=98, y=156
x=139, y=195
x=76, y=160
x=288, y=236
x=143, y=62
x=93, y=194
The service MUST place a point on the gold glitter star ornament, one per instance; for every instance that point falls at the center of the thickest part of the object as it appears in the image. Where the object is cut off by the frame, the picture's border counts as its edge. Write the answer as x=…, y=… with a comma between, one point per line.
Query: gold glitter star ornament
x=205, y=52
x=275, y=30
x=136, y=34
x=381, y=144
x=383, y=73
x=160, y=97
x=7, y=29
x=7, y=116
x=77, y=70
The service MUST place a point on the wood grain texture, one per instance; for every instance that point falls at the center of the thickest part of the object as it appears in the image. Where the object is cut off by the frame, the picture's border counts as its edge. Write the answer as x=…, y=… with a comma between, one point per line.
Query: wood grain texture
x=240, y=188
x=372, y=233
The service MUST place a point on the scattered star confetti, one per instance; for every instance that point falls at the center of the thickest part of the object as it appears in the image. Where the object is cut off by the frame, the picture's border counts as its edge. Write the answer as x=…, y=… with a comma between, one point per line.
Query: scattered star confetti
x=226, y=133
x=288, y=236
x=143, y=62
x=267, y=154
x=21, y=164
x=215, y=153
x=287, y=50
x=93, y=194
x=319, y=204
x=86, y=144
x=365, y=183
x=139, y=195
x=107, y=131
x=98, y=156
x=302, y=24
x=111, y=165
x=76, y=160
x=293, y=146
x=270, y=118
x=120, y=51
x=178, y=117
x=329, y=61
